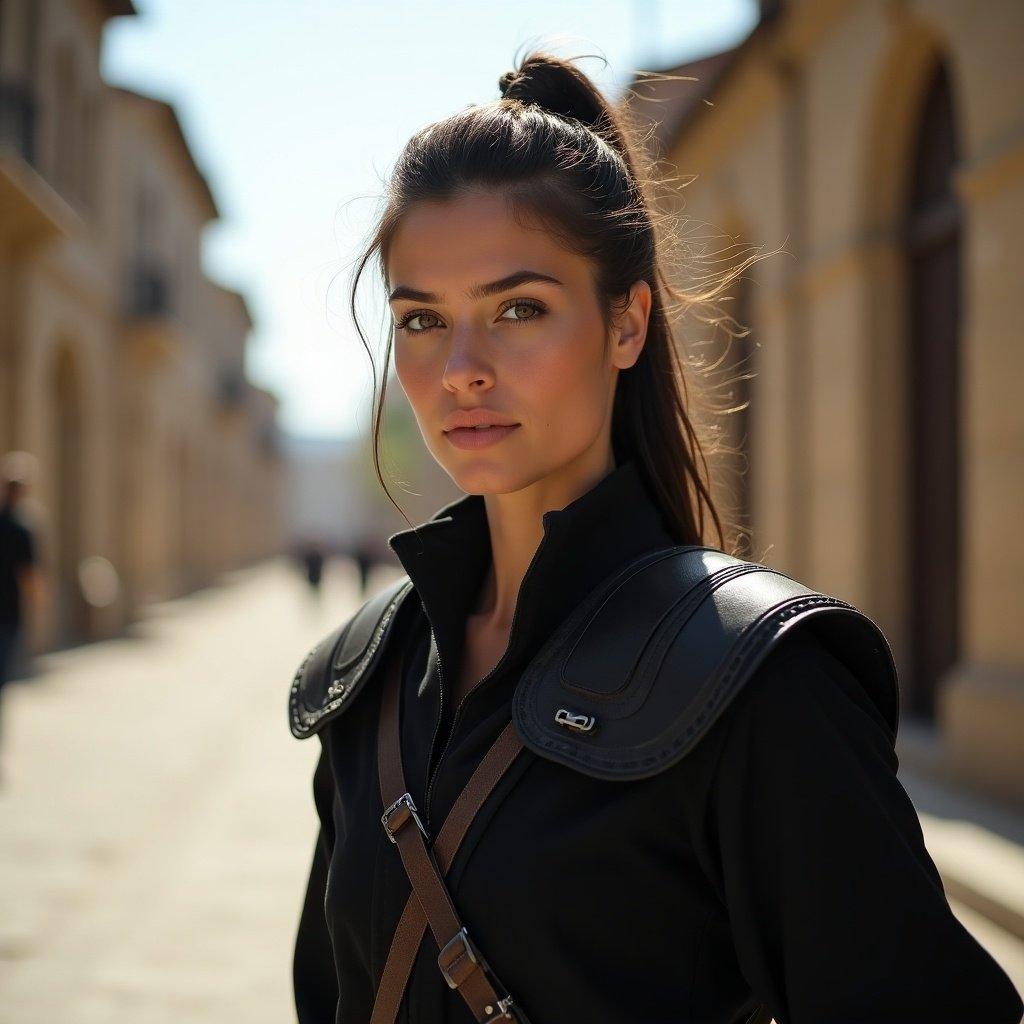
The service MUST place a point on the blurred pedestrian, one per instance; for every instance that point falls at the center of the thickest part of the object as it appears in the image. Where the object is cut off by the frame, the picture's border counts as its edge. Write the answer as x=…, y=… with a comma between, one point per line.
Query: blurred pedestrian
x=313, y=560
x=19, y=576
x=363, y=556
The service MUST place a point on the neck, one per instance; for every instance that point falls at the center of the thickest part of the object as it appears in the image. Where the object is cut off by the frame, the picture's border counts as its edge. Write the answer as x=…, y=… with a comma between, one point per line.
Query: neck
x=516, y=530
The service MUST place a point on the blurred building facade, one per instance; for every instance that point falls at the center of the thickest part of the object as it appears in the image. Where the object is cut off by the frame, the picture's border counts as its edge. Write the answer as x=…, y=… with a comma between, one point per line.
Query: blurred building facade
x=121, y=364
x=335, y=498
x=880, y=142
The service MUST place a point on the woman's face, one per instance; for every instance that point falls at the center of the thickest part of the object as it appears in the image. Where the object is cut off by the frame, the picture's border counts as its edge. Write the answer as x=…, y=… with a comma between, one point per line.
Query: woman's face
x=528, y=354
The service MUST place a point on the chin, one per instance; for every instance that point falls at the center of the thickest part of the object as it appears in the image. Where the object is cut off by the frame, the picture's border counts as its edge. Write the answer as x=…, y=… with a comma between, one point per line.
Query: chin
x=487, y=475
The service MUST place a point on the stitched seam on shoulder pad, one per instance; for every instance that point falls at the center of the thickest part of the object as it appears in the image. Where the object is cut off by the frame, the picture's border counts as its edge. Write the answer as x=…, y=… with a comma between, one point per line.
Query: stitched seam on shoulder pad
x=714, y=698
x=664, y=636
x=304, y=720
x=297, y=678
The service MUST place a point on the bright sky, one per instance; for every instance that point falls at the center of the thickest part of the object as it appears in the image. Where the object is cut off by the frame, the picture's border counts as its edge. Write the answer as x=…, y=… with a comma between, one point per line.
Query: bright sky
x=296, y=110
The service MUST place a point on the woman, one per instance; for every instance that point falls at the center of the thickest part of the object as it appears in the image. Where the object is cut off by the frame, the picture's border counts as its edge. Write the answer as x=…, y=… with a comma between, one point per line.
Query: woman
x=771, y=864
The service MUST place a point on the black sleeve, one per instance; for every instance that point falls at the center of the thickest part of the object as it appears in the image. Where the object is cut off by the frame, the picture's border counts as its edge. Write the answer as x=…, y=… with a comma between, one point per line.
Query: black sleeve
x=837, y=910
x=314, y=976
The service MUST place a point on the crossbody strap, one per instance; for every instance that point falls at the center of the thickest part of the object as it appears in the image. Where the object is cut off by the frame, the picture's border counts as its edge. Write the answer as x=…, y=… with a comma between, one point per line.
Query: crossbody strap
x=460, y=960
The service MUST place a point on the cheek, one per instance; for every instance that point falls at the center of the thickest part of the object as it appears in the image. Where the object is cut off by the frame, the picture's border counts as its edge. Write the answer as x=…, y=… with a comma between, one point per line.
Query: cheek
x=564, y=380
x=418, y=377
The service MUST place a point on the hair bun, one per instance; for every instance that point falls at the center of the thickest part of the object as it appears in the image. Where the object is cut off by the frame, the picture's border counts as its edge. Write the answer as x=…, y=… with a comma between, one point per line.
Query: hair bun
x=507, y=81
x=557, y=86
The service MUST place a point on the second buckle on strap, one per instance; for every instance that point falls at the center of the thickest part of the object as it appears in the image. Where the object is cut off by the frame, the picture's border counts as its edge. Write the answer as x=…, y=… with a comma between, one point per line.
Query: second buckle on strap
x=398, y=814
x=452, y=958
x=458, y=959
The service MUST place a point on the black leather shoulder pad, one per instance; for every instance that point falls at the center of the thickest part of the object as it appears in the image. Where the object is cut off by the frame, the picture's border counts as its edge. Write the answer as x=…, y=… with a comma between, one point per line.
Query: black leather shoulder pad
x=335, y=670
x=640, y=671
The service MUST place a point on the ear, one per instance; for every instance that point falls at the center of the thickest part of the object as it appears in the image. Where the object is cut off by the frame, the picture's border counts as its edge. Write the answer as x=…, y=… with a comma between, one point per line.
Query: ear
x=631, y=327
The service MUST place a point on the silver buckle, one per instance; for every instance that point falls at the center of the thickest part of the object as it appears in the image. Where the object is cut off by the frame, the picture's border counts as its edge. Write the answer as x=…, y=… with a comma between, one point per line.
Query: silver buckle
x=405, y=800
x=460, y=936
x=505, y=1006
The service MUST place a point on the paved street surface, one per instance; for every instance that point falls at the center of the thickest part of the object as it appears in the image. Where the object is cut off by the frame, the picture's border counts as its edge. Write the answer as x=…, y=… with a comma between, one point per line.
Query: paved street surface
x=156, y=817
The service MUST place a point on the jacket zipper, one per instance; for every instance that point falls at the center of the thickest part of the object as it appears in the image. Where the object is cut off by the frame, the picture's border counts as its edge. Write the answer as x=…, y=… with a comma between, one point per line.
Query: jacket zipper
x=437, y=722
x=475, y=687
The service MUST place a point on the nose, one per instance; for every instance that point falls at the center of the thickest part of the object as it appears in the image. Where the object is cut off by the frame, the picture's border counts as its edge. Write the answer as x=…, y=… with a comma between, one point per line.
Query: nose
x=467, y=367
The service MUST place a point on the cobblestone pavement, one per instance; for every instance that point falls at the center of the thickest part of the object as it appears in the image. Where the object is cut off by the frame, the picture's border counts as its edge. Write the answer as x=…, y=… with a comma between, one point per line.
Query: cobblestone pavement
x=156, y=817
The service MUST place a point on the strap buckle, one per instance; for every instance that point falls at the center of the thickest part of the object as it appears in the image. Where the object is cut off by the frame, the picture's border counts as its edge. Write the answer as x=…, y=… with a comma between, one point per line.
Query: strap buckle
x=401, y=811
x=456, y=957
x=455, y=949
x=505, y=1008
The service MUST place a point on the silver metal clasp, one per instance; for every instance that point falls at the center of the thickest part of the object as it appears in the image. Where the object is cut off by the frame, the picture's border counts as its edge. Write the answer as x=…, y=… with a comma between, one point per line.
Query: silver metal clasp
x=504, y=1008
x=401, y=810
x=457, y=947
x=575, y=720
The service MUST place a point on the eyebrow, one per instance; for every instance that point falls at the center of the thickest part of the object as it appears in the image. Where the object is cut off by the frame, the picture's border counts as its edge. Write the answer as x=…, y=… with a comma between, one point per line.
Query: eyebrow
x=477, y=291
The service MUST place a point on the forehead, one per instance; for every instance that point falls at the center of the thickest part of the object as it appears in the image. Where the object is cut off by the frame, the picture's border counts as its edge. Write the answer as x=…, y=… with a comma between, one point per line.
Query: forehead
x=446, y=246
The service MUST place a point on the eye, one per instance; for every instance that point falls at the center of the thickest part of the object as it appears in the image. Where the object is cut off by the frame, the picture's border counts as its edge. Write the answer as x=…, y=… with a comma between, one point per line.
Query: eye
x=415, y=315
x=520, y=304
x=537, y=308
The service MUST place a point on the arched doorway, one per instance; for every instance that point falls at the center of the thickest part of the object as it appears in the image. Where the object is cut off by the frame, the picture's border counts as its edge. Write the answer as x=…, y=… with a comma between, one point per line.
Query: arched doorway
x=187, y=524
x=743, y=367
x=932, y=231
x=71, y=622
x=730, y=380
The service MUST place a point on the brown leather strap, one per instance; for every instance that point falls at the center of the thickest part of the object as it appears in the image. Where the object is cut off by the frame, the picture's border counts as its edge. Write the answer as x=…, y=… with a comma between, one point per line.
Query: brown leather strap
x=413, y=923
x=464, y=966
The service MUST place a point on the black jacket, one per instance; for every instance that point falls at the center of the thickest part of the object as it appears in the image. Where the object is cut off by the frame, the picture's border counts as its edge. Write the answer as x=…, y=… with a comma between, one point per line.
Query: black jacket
x=780, y=861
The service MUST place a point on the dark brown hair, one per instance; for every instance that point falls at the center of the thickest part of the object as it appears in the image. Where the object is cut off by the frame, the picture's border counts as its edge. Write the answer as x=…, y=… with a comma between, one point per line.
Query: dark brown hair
x=565, y=160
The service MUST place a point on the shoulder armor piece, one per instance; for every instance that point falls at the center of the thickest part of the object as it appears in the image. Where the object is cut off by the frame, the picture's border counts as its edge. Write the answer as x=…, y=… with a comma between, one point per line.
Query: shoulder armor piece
x=641, y=670
x=336, y=668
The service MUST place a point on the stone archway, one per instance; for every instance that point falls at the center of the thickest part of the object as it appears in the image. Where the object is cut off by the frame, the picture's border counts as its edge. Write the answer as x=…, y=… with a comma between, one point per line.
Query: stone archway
x=911, y=227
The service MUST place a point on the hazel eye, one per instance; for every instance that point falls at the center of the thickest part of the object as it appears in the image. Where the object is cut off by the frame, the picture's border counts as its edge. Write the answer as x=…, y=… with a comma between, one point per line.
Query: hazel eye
x=520, y=304
x=409, y=317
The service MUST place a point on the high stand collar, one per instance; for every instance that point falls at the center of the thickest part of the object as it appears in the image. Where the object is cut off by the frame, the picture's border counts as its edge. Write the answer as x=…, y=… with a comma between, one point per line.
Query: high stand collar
x=583, y=543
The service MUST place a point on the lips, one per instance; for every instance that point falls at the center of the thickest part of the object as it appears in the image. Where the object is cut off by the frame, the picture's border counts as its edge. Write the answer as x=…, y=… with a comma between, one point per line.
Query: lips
x=475, y=418
x=474, y=438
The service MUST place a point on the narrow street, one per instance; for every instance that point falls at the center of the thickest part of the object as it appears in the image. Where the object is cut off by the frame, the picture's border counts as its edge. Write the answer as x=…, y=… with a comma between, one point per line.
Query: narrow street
x=157, y=816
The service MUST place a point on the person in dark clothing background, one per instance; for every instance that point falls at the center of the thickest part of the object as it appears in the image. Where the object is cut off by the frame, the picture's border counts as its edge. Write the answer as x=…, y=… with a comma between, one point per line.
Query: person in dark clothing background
x=313, y=563
x=363, y=556
x=777, y=868
x=18, y=561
